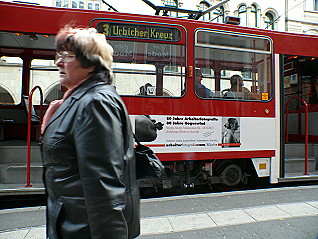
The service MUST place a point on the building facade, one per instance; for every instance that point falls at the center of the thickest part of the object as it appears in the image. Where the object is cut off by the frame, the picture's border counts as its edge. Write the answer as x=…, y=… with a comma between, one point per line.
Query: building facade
x=261, y=14
x=302, y=16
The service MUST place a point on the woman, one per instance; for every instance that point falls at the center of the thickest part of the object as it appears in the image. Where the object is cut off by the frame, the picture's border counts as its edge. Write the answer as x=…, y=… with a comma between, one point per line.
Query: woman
x=88, y=147
x=229, y=136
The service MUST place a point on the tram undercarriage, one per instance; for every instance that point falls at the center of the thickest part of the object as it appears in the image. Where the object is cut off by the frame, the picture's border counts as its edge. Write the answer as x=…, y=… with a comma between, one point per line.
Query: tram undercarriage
x=192, y=173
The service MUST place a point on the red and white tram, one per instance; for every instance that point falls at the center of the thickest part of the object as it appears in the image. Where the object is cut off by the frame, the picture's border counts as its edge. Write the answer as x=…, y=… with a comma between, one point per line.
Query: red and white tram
x=176, y=79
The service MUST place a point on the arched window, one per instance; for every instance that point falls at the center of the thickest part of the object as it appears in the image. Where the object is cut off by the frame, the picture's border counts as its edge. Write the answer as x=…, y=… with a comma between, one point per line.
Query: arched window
x=65, y=3
x=253, y=19
x=97, y=6
x=242, y=15
x=54, y=93
x=218, y=15
x=203, y=5
x=221, y=17
x=269, y=21
x=5, y=96
x=81, y=5
x=74, y=4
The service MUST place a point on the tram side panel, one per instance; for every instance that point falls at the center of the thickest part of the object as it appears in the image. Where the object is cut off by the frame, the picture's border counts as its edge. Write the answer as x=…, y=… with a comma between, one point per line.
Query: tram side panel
x=205, y=140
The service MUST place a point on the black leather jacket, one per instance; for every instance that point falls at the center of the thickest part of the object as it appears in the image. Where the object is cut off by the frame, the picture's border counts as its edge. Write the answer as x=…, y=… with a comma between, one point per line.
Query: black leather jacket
x=89, y=167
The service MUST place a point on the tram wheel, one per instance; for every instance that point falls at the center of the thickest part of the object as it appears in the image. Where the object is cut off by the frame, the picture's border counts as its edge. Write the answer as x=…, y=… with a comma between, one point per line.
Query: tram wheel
x=231, y=175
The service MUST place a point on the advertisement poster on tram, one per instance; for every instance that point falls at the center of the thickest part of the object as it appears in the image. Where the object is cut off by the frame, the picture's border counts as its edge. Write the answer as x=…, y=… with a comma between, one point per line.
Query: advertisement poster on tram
x=188, y=133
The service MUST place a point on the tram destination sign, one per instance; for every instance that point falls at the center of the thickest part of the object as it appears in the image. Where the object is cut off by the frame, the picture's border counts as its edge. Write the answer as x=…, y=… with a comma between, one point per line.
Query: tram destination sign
x=138, y=31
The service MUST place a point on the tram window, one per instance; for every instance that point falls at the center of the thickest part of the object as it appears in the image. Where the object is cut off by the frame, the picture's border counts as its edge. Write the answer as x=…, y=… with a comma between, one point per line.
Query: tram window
x=10, y=80
x=300, y=80
x=247, y=59
x=44, y=73
x=148, y=69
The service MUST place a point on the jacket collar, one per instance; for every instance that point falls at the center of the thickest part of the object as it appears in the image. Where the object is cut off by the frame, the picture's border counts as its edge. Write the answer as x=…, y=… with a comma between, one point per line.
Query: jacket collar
x=87, y=85
x=77, y=94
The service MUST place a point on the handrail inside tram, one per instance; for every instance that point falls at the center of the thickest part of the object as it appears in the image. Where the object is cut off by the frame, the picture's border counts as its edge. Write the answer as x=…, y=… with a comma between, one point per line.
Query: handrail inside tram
x=28, y=168
x=306, y=128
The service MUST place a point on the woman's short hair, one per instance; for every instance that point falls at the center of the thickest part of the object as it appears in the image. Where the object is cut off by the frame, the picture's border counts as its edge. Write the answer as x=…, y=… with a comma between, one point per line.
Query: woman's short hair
x=90, y=47
x=230, y=123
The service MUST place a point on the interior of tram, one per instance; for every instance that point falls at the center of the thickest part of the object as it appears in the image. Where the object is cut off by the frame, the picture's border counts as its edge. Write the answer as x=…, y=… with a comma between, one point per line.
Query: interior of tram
x=299, y=90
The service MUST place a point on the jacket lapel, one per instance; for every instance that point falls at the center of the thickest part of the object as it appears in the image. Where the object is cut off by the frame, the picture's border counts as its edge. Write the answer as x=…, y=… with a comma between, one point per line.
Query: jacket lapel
x=77, y=94
x=64, y=106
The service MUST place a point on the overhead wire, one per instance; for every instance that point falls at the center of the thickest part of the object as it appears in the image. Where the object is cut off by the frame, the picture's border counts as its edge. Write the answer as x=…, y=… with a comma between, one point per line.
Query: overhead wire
x=284, y=14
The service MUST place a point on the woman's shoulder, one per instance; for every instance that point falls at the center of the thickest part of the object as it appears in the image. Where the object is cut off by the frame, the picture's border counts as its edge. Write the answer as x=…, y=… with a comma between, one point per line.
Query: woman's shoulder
x=101, y=93
x=100, y=88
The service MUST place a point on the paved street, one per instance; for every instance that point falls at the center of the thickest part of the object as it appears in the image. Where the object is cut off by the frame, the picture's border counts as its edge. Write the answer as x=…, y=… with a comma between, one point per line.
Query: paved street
x=279, y=213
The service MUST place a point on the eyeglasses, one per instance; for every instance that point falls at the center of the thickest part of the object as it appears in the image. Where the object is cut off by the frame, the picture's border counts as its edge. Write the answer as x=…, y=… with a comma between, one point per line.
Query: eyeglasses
x=64, y=55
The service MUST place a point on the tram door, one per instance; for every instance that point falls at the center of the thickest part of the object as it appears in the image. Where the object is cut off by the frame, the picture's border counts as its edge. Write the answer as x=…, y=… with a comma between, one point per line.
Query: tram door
x=300, y=92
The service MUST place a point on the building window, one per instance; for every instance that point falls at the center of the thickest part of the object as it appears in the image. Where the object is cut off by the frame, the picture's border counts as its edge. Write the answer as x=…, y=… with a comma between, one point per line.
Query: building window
x=269, y=21
x=97, y=6
x=44, y=73
x=10, y=86
x=204, y=5
x=58, y=3
x=74, y=4
x=219, y=14
x=171, y=3
x=254, y=22
x=81, y=5
x=242, y=15
x=316, y=5
x=64, y=3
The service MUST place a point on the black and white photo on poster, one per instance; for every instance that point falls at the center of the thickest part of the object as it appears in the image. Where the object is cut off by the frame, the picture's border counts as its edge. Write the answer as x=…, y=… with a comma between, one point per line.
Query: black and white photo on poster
x=231, y=132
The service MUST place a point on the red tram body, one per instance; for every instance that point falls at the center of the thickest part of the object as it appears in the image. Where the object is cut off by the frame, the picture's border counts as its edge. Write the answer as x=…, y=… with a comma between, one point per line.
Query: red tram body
x=155, y=64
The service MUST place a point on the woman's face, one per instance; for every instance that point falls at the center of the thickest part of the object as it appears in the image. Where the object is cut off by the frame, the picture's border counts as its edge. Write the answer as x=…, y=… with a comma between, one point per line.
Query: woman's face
x=235, y=125
x=71, y=71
